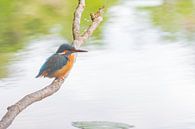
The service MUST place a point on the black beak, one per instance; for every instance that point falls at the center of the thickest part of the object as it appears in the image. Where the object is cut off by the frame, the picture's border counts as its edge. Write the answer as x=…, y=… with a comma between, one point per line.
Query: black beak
x=78, y=50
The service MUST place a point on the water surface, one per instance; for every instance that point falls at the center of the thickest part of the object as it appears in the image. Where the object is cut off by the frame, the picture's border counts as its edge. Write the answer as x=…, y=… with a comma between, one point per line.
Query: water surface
x=135, y=77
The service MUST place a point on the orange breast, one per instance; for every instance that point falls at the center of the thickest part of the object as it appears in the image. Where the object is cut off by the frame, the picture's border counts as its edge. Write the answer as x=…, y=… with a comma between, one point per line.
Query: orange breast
x=65, y=70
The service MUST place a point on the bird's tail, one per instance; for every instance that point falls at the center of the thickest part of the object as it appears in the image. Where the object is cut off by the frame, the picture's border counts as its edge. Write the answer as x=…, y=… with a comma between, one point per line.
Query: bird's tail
x=38, y=75
x=44, y=74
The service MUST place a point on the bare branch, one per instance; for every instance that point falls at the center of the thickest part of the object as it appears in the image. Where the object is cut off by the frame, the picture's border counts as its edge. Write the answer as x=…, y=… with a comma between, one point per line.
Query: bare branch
x=96, y=20
x=15, y=109
x=49, y=90
x=77, y=19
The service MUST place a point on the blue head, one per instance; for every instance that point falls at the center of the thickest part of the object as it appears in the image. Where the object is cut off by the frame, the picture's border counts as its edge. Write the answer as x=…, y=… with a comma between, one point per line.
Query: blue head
x=68, y=48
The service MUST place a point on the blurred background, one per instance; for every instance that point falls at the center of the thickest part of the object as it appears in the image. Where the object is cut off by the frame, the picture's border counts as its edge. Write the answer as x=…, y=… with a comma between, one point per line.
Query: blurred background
x=139, y=70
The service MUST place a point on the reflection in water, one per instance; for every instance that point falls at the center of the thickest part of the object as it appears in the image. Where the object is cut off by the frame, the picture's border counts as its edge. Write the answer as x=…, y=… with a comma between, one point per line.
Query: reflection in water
x=100, y=125
x=176, y=17
x=138, y=78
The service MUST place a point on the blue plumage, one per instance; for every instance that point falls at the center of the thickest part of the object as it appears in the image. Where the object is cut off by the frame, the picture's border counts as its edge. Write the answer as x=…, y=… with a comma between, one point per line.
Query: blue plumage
x=53, y=63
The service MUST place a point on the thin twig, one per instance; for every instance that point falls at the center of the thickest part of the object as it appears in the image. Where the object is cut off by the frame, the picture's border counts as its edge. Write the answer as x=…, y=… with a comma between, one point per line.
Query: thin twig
x=96, y=20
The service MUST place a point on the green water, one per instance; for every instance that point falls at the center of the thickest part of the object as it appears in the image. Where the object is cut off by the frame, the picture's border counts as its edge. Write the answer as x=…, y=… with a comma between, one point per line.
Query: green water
x=176, y=17
x=24, y=20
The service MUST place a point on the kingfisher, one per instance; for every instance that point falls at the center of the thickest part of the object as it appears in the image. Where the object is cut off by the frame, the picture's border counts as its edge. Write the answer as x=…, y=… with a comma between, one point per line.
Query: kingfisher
x=59, y=64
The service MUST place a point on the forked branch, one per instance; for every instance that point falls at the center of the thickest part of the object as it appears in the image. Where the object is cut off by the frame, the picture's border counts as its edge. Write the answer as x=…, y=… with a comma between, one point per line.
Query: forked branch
x=49, y=90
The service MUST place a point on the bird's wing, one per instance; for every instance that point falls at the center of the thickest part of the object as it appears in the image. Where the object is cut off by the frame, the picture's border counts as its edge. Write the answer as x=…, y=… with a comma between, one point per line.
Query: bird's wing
x=52, y=64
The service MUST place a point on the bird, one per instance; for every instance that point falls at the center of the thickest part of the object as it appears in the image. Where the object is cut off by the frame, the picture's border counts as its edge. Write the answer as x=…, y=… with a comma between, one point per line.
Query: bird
x=60, y=63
